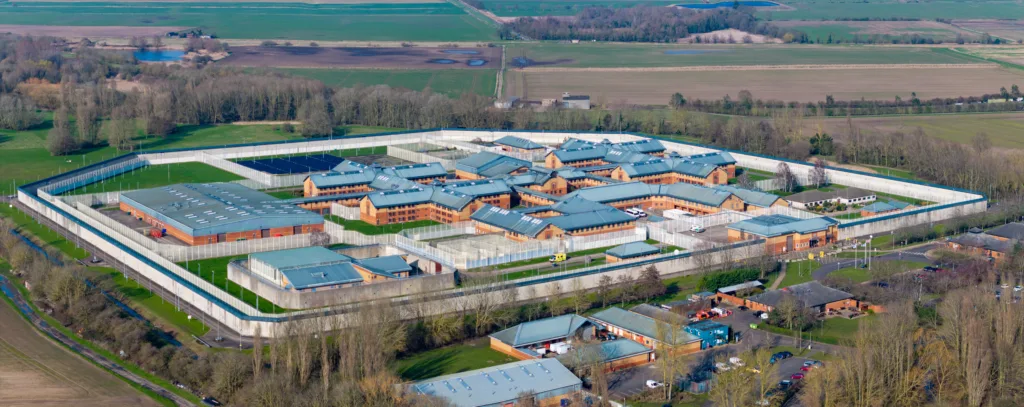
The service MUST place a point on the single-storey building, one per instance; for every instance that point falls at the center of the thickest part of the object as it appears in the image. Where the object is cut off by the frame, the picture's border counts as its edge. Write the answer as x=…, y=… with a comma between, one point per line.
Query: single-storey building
x=648, y=331
x=576, y=101
x=199, y=214
x=883, y=207
x=518, y=145
x=350, y=176
x=486, y=164
x=630, y=251
x=979, y=243
x=735, y=294
x=786, y=234
x=318, y=268
x=548, y=381
x=616, y=354
x=849, y=196
x=533, y=339
x=812, y=294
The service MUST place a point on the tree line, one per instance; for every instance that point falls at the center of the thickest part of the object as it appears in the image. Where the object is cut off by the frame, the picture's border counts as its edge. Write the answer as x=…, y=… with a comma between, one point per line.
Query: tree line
x=641, y=24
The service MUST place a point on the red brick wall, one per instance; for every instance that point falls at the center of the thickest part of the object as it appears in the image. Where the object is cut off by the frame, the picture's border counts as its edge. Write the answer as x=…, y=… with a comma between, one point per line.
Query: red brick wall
x=210, y=239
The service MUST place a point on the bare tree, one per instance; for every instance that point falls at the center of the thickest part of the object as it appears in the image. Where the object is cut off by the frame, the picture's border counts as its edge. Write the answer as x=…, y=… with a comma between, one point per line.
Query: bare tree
x=555, y=304
x=818, y=174
x=257, y=352
x=784, y=178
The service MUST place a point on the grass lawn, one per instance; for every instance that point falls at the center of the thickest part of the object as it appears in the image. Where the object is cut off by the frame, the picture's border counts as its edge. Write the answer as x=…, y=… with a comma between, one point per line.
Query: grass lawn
x=832, y=330
x=157, y=176
x=799, y=272
x=755, y=175
x=850, y=215
x=538, y=260
x=42, y=235
x=471, y=355
x=215, y=271
x=368, y=229
x=861, y=275
x=286, y=194
x=893, y=172
x=428, y=21
x=154, y=304
x=915, y=201
x=449, y=82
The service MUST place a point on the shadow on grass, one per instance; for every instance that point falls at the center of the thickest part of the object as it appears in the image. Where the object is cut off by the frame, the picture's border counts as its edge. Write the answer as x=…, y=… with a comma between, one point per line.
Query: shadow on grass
x=432, y=366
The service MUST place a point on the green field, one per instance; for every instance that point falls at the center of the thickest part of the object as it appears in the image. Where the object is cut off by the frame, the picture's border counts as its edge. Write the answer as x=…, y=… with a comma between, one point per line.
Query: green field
x=159, y=175
x=368, y=229
x=450, y=82
x=215, y=271
x=1003, y=129
x=472, y=355
x=295, y=21
x=828, y=10
x=593, y=55
x=508, y=8
x=798, y=272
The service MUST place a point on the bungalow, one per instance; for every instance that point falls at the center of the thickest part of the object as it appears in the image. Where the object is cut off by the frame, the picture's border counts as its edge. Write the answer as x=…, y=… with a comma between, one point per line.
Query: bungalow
x=531, y=340
x=848, y=196
x=647, y=331
x=317, y=268
x=630, y=251
x=813, y=295
x=979, y=243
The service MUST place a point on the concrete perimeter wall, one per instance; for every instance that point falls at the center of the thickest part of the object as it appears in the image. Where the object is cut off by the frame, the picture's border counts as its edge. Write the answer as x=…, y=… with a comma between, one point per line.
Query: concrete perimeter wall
x=243, y=318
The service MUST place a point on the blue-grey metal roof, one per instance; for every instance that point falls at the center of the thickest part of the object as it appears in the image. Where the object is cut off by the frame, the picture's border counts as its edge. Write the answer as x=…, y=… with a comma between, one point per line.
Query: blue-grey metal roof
x=883, y=206
x=622, y=156
x=349, y=165
x=644, y=325
x=586, y=220
x=693, y=193
x=576, y=204
x=574, y=143
x=476, y=188
x=490, y=164
x=209, y=209
x=499, y=385
x=741, y=286
x=301, y=257
x=510, y=220
x=612, y=192
x=387, y=266
x=528, y=191
x=400, y=197
x=778, y=225
x=751, y=197
x=319, y=276
x=542, y=330
x=341, y=179
x=667, y=165
x=580, y=154
x=608, y=351
x=634, y=249
x=721, y=158
x=386, y=182
x=518, y=142
x=417, y=171
x=645, y=146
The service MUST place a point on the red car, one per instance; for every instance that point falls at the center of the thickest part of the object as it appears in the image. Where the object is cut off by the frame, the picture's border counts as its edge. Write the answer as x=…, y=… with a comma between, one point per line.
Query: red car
x=806, y=368
x=797, y=376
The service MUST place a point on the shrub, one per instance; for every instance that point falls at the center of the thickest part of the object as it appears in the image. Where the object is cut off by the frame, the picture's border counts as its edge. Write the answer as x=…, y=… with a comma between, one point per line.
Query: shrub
x=715, y=281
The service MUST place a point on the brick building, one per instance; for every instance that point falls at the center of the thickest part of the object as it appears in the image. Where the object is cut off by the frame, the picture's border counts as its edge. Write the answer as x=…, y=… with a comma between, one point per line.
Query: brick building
x=549, y=382
x=350, y=176
x=786, y=234
x=671, y=171
x=317, y=268
x=812, y=294
x=448, y=203
x=486, y=164
x=518, y=145
x=647, y=331
x=199, y=214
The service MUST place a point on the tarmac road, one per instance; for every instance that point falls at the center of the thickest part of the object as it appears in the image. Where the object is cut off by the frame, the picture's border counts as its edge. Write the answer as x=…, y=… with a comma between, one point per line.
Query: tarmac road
x=914, y=254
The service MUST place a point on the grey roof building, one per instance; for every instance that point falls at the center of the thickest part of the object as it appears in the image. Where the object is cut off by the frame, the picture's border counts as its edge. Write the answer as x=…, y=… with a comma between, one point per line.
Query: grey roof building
x=811, y=294
x=546, y=330
x=751, y=197
x=502, y=385
x=518, y=142
x=1014, y=230
x=779, y=225
x=846, y=195
x=633, y=250
x=509, y=220
x=644, y=326
x=216, y=208
x=487, y=164
x=315, y=267
x=885, y=206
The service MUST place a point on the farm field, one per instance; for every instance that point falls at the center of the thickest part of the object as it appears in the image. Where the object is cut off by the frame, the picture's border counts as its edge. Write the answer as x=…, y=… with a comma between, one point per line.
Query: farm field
x=1013, y=55
x=846, y=30
x=512, y=8
x=1003, y=129
x=297, y=21
x=1008, y=29
x=551, y=55
x=38, y=372
x=827, y=10
x=453, y=82
x=364, y=57
x=807, y=85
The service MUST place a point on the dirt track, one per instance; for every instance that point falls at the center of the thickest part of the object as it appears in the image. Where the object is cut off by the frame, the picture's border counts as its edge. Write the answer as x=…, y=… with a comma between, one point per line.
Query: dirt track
x=713, y=68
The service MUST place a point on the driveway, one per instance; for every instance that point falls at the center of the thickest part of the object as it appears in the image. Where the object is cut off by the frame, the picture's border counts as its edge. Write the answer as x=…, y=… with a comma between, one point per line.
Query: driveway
x=914, y=254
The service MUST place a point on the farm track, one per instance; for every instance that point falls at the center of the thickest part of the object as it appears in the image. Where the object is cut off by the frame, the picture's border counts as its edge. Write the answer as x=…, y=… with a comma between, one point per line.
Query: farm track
x=714, y=68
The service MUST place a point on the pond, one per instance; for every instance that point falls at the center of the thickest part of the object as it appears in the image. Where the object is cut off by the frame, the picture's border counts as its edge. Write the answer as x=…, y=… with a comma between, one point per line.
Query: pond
x=159, y=56
x=726, y=4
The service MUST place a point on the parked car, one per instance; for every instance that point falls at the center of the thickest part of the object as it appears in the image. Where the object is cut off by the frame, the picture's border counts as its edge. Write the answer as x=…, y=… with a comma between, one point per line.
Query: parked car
x=780, y=356
x=653, y=384
x=210, y=401
x=785, y=384
x=721, y=367
x=797, y=376
x=697, y=229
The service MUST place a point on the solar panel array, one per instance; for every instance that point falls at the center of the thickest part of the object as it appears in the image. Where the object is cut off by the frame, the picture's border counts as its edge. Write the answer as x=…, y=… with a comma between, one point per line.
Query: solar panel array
x=294, y=164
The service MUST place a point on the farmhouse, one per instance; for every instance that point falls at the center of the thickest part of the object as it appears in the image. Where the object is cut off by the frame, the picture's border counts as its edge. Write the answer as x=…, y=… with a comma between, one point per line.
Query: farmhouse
x=447, y=203
x=199, y=214
x=533, y=339
x=630, y=251
x=812, y=294
x=486, y=164
x=647, y=331
x=518, y=145
x=317, y=268
x=785, y=234
x=547, y=380
x=883, y=207
x=815, y=197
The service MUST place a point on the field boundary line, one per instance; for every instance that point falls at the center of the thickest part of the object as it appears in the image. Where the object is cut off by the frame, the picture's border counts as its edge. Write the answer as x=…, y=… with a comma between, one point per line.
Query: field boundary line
x=705, y=68
x=41, y=367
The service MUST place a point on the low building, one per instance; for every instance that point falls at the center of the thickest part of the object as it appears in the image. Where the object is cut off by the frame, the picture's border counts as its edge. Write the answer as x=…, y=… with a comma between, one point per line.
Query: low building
x=199, y=214
x=848, y=196
x=711, y=333
x=1009, y=231
x=516, y=226
x=486, y=164
x=786, y=234
x=575, y=101
x=979, y=243
x=812, y=294
x=531, y=340
x=546, y=380
x=883, y=207
x=616, y=354
x=752, y=199
x=317, y=268
x=518, y=145
x=647, y=331
x=630, y=251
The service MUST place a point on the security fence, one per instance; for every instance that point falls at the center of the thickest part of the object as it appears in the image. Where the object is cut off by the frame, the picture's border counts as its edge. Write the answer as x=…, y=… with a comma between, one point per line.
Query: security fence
x=99, y=173
x=418, y=157
x=345, y=212
x=440, y=231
